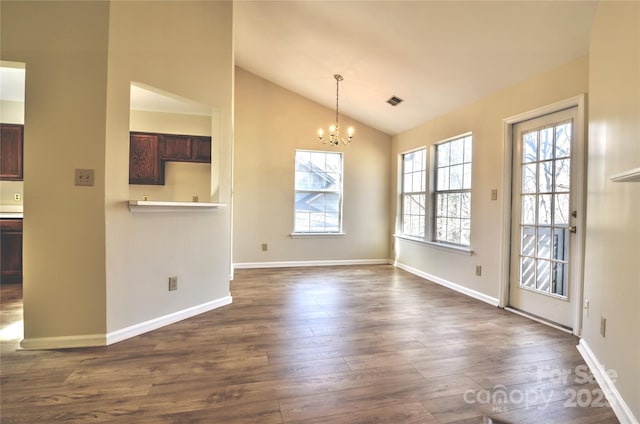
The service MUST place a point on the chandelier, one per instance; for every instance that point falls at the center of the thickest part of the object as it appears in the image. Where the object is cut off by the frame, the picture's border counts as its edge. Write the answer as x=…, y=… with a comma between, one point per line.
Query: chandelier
x=334, y=130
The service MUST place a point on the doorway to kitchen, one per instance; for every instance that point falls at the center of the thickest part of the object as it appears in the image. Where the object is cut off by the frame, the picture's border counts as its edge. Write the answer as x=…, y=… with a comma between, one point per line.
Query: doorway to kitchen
x=12, y=101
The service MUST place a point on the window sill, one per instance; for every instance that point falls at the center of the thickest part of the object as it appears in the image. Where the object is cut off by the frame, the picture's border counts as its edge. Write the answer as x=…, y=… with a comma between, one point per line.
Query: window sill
x=312, y=235
x=441, y=246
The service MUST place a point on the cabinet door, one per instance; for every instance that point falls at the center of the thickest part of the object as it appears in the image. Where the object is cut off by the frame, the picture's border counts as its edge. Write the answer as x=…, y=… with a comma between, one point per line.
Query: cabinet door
x=201, y=149
x=145, y=166
x=175, y=147
x=11, y=148
x=11, y=250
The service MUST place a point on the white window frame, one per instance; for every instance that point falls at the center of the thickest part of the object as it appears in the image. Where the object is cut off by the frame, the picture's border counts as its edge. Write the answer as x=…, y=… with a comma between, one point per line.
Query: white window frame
x=424, y=192
x=296, y=233
x=434, y=193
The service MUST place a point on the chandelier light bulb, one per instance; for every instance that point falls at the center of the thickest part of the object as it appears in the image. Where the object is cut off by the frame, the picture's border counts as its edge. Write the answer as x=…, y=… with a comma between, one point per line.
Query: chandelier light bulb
x=334, y=130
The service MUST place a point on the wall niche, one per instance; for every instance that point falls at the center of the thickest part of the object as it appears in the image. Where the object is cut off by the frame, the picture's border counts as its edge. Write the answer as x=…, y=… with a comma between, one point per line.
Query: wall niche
x=173, y=147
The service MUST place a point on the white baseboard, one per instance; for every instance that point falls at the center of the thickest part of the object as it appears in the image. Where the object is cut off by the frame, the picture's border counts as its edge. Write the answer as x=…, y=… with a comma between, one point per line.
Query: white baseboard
x=63, y=342
x=92, y=340
x=292, y=264
x=619, y=406
x=154, y=324
x=453, y=286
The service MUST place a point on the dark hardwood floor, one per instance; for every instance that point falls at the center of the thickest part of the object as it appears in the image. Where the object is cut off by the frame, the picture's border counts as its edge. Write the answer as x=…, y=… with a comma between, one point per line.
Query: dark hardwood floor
x=352, y=344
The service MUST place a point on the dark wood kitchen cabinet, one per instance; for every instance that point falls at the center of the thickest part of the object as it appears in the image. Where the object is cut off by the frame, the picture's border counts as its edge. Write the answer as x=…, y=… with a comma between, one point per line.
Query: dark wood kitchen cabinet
x=11, y=149
x=201, y=149
x=185, y=148
x=148, y=153
x=11, y=250
x=145, y=166
x=175, y=148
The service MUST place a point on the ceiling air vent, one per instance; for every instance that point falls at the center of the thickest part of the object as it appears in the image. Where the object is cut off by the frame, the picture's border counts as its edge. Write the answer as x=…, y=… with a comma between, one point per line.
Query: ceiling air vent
x=394, y=101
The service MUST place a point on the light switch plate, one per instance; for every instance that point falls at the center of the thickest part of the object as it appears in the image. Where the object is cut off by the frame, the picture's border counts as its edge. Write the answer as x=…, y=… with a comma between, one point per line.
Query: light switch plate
x=173, y=283
x=85, y=177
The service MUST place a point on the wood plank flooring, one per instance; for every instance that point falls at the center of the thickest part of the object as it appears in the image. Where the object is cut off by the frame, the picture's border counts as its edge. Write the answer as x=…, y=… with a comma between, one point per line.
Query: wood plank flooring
x=352, y=345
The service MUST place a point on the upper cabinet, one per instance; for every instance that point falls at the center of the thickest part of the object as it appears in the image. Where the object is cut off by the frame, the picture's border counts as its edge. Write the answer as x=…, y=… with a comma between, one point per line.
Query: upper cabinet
x=175, y=148
x=185, y=148
x=145, y=166
x=148, y=153
x=11, y=148
x=201, y=149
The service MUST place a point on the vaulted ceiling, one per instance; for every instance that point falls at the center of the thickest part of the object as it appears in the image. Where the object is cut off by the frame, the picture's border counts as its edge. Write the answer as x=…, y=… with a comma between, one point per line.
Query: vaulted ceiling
x=435, y=55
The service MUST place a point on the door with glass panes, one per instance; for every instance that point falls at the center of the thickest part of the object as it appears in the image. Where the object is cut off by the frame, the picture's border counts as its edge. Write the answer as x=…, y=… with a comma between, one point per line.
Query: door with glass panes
x=542, y=277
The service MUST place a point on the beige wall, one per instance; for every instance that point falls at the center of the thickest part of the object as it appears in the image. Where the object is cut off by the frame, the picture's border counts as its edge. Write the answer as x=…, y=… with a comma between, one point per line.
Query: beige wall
x=64, y=47
x=183, y=181
x=612, y=266
x=147, y=44
x=270, y=124
x=91, y=267
x=484, y=120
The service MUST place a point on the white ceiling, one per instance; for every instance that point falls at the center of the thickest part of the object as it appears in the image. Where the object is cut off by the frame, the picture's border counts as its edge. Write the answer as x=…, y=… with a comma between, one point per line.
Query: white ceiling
x=11, y=82
x=142, y=97
x=147, y=98
x=435, y=55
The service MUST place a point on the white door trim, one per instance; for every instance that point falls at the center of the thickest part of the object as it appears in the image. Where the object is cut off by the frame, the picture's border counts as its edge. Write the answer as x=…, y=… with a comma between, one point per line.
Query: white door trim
x=580, y=194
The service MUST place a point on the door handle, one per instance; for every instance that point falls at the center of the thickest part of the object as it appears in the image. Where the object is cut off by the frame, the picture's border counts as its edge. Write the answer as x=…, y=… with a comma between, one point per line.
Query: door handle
x=573, y=228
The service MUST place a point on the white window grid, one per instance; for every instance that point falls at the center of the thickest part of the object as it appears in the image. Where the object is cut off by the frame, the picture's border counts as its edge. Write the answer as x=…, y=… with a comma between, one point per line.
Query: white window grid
x=451, y=192
x=318, y=192
x=414, y=193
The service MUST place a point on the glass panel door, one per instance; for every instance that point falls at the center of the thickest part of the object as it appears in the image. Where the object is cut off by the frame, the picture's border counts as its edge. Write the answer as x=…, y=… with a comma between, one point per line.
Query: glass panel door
x=542, y=210
x=544, y=227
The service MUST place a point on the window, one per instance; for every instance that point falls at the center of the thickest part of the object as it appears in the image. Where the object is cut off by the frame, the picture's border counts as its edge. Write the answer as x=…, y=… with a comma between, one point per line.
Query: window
x=414, y=193
x=452, y=191
x=318, y=198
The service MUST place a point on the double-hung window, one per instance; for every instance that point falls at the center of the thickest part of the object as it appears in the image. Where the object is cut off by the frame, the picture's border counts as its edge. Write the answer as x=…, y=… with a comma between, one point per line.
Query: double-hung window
x=452, y=191
x=414, y=193
x=318, y=192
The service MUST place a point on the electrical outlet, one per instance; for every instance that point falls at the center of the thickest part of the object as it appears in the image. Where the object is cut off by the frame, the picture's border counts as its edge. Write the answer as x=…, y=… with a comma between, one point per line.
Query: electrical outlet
x=265, y=247
x=17, y=197
x=478, y=270
x=494, y=194
x=603, y=326
x=586, y=307
x=84, y=177
x=173, y=283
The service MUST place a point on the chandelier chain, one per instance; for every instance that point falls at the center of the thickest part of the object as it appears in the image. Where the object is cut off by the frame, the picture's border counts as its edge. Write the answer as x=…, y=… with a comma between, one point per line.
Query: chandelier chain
x=337, y=95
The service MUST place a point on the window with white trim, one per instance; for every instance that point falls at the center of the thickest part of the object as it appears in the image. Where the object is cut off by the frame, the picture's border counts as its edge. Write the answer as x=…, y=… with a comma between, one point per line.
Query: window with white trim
x=414, y=193
x=452, y=191
x=318, y=192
